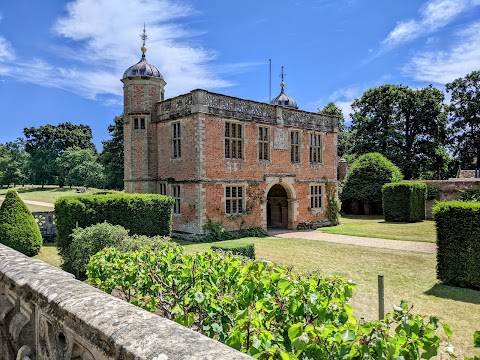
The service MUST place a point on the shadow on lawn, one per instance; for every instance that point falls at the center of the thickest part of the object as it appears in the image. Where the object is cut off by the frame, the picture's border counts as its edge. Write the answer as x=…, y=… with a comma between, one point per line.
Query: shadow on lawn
x=455, y=293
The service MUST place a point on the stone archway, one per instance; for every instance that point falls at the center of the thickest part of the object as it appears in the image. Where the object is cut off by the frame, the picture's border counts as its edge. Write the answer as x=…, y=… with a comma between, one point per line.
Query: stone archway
x=277, y=207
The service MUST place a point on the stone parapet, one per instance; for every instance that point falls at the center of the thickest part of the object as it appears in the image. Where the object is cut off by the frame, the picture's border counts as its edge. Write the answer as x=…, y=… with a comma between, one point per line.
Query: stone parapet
x=46, y=314
x=202, y=101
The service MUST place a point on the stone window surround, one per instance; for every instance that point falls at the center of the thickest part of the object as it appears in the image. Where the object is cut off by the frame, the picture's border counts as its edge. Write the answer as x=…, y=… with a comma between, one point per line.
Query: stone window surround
x=176, y=139
x=321, y=197
x=139, y=122
x=296, y=147
x=176, y=194
x=231, y=139
x=162, y=188
x=243, y=185
x=261, y=142
x=316, y=148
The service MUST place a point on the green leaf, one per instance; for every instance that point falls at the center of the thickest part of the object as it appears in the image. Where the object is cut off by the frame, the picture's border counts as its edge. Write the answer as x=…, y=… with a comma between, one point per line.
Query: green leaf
x=217, y=328
x=447, y=329
x=199, y=297
x=348, y=335
x=301, y=342
x=476, y=339
x=287, y=356
x=235, y=340
x=295, y=331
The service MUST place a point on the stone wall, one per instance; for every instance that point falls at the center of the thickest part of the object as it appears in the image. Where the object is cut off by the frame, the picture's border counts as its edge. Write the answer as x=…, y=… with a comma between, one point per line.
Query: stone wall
x=46, y=314
x=449, y=190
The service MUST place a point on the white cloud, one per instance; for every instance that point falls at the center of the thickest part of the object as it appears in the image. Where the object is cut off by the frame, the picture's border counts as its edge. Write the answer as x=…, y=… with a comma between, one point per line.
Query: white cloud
x=102, y=41
x=433, y=16
x=444, y=66
x=6, y=51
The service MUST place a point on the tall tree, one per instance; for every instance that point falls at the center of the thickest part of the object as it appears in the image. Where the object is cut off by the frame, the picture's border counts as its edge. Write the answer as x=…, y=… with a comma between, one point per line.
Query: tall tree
x=112, y=155
x=46, y=143
x=407, y=126
x=343, y=133
x=465, y=114
x=14, y=163
x=79, y=167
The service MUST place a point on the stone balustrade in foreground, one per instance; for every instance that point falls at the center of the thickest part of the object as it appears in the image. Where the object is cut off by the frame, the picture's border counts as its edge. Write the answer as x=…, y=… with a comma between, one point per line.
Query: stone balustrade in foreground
x=47, y=314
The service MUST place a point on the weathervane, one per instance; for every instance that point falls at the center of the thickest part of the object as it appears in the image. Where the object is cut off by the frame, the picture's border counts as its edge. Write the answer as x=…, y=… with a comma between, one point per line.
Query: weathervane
x=144, y=37
x=282, y=84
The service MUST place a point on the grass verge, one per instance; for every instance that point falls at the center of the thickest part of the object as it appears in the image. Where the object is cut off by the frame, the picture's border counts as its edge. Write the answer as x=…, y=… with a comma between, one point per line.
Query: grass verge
x=377, y=227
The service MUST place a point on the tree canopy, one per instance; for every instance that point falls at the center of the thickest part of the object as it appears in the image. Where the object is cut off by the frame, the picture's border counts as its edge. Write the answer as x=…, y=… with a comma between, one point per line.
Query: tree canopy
x=80, y=167
x=46, y=143
x=368, y=174
x=407, y=126
x=14, y=163
x=112, y=155
x=464, y=111
x=343, y=133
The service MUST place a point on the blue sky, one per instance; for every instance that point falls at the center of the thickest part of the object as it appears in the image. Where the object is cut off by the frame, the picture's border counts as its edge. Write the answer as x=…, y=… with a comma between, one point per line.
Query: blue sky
x=62, y=60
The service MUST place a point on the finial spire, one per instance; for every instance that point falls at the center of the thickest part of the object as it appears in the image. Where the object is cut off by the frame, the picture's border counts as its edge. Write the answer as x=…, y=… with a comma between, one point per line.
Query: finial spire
x=282, y=84
x=144, y=37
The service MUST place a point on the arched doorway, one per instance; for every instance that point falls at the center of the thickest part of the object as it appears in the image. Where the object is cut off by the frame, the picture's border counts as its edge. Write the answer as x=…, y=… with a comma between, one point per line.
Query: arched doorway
x=277, y=207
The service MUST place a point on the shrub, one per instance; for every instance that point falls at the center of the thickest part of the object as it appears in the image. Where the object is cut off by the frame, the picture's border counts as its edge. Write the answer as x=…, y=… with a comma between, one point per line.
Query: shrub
x=471, y=195
x=90, y=240
x=365, y=179
x=261, y=308
x=333, y=204
x=458, y=245
x=18, y=228
x=143, y=214
x=216, y=232
x=404, y=201
x=137, y=242
x=247, y=251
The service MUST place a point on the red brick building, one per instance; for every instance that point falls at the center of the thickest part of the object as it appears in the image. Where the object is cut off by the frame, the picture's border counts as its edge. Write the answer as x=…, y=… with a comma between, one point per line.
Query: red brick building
x=244, y=163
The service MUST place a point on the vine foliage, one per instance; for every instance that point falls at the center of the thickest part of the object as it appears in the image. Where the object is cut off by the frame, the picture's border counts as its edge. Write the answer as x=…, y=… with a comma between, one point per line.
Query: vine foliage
x=261, y=308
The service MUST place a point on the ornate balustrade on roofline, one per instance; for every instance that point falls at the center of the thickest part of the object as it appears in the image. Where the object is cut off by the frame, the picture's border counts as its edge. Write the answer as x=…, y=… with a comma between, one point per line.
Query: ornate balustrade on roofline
x=247, y=110
x=47, y=314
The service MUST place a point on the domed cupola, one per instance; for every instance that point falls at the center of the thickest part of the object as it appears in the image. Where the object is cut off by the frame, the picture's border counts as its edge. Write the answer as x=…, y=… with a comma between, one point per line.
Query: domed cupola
x=283, y=99
x=143, y=68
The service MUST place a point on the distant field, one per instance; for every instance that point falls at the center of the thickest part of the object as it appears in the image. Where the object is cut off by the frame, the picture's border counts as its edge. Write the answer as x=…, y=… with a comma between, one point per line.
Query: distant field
x=377, y=227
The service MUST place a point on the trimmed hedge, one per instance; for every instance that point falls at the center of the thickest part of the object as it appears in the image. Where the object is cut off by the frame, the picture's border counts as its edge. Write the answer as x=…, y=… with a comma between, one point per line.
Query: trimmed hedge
x=245, y=250
x=18, y=228
x=458, y=243
x=142, y=214
x=404, y=201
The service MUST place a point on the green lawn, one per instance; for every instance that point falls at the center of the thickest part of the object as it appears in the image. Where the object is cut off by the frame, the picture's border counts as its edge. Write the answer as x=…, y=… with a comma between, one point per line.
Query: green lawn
x=377, y=227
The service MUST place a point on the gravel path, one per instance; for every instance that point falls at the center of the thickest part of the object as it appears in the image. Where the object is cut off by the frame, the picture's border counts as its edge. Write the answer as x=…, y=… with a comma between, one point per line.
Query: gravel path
x=424, y=247
x=31, y=202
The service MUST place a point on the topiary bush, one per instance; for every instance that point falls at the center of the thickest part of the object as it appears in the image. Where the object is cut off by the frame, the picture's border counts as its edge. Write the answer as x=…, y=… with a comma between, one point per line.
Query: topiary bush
x=143, y=214
x=247, y=251
x=404, y=201
x=18, y=228
x=458, y=244
x=365, y=179
x=90, y=240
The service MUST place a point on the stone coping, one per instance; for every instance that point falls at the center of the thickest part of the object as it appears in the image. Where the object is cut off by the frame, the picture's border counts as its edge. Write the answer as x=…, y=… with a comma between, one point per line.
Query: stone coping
x=117, y=329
